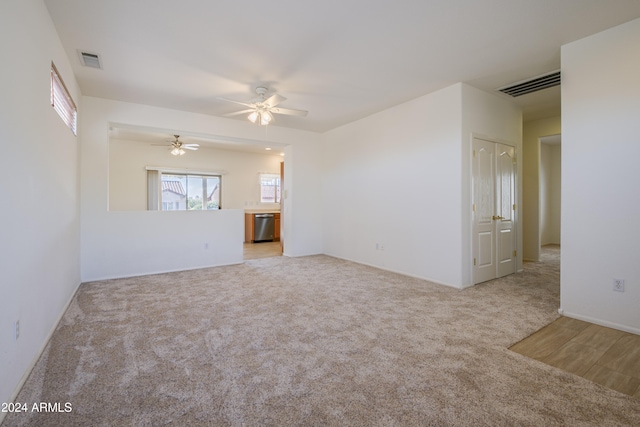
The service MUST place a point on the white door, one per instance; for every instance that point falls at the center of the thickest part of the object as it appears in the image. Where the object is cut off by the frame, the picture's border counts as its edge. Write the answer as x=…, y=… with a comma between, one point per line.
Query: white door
x=484, y=201
x=494, y=235
x=505, y=209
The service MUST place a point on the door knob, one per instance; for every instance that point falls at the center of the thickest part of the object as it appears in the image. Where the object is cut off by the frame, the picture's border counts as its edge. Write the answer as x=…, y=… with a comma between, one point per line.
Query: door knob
x=497, y=217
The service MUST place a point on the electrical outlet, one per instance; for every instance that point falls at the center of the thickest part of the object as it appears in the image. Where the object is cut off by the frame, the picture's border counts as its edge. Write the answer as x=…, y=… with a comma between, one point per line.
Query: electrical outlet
x=618, y=285
x=16, y=330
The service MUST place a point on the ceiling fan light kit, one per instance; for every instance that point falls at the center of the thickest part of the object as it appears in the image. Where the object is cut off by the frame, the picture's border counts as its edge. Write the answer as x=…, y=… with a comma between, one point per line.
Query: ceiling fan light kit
x=261, y=111
x=177, y=147
x=265, y=118
x=262, y=117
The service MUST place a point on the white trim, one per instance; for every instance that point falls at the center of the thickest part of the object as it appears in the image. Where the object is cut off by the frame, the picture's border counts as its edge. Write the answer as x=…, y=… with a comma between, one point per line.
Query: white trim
x=600, y=322
x=185, y=171
x=152, y=199
x=277, y=176
x=173, y=270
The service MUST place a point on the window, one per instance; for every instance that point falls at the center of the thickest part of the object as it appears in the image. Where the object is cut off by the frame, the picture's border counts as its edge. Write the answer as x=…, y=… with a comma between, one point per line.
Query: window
x=190, y=192
x=61, y=101
x=269, y=188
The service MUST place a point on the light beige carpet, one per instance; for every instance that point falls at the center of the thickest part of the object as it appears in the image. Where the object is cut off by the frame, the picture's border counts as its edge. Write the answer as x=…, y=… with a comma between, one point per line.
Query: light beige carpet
x=311, y=341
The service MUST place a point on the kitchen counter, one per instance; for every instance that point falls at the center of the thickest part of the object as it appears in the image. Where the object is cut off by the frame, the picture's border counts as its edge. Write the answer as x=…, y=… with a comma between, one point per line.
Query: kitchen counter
x=261, y=211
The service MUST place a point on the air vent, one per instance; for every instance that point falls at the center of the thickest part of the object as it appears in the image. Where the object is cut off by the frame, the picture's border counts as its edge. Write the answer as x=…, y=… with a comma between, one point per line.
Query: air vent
x=89, y=59
x=532, y=85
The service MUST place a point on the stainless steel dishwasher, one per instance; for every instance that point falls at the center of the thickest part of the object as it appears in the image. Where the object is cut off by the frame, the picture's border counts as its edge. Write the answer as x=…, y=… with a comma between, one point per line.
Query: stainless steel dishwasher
x=263, y=226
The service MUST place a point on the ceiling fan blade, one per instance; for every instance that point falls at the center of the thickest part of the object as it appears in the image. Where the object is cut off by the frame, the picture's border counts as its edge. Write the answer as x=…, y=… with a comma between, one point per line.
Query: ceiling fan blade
x=235, y=102
x=239, y=112
x=274, y=100
x=191, y=145
x=189, y=148
x=289, y=111
x=161, y=145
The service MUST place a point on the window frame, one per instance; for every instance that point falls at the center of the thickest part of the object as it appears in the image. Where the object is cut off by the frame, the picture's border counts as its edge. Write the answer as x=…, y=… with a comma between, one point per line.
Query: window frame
x=199, y=176
x=154, y=186
x=277, y=189
x=62, y=102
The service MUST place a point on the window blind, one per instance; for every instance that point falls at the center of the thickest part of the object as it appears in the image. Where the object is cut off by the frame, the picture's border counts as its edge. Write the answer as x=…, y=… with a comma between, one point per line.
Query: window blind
x=62, y=102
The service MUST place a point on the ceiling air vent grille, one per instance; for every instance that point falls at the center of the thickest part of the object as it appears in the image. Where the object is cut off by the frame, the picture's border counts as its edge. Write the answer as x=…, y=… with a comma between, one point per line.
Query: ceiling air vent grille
x=532, y=85
x=89, y=59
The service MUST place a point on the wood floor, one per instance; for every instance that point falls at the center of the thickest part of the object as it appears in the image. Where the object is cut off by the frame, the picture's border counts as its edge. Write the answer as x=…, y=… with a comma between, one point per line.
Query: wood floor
x=603, y=355
x=261, y=250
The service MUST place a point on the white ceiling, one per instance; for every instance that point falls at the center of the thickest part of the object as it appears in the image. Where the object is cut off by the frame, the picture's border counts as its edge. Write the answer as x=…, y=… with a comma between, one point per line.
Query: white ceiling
x=340, y=60
x=161, y=137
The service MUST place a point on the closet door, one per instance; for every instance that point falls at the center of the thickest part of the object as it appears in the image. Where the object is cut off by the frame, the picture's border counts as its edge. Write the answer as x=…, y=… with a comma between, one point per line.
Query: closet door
x=505, y=210
x=493, y=185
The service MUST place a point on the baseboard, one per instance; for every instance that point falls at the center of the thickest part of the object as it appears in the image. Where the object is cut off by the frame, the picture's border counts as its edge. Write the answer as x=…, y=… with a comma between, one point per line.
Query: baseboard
x=289, y=255
x=37, y=356
x=398, y=272
x=153, y=273
x=600, y=322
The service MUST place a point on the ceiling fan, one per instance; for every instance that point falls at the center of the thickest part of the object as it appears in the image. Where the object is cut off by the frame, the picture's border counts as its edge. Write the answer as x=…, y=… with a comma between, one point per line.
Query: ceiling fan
x=177, y=147
x=262, y=109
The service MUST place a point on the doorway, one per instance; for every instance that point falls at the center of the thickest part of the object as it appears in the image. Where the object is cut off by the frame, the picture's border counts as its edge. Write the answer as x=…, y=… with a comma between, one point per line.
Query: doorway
x=494, y=203
x=550, y=189
x=252, y=250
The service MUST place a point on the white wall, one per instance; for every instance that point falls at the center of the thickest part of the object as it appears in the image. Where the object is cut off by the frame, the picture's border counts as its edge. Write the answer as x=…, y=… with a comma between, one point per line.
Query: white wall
x=550, y=182
x=531, y=133
x=118, y=244
x=393, y=180
x=600, y=176
x=240, y=182
x=302, y=229
x=40, y=243
x=396, y=185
